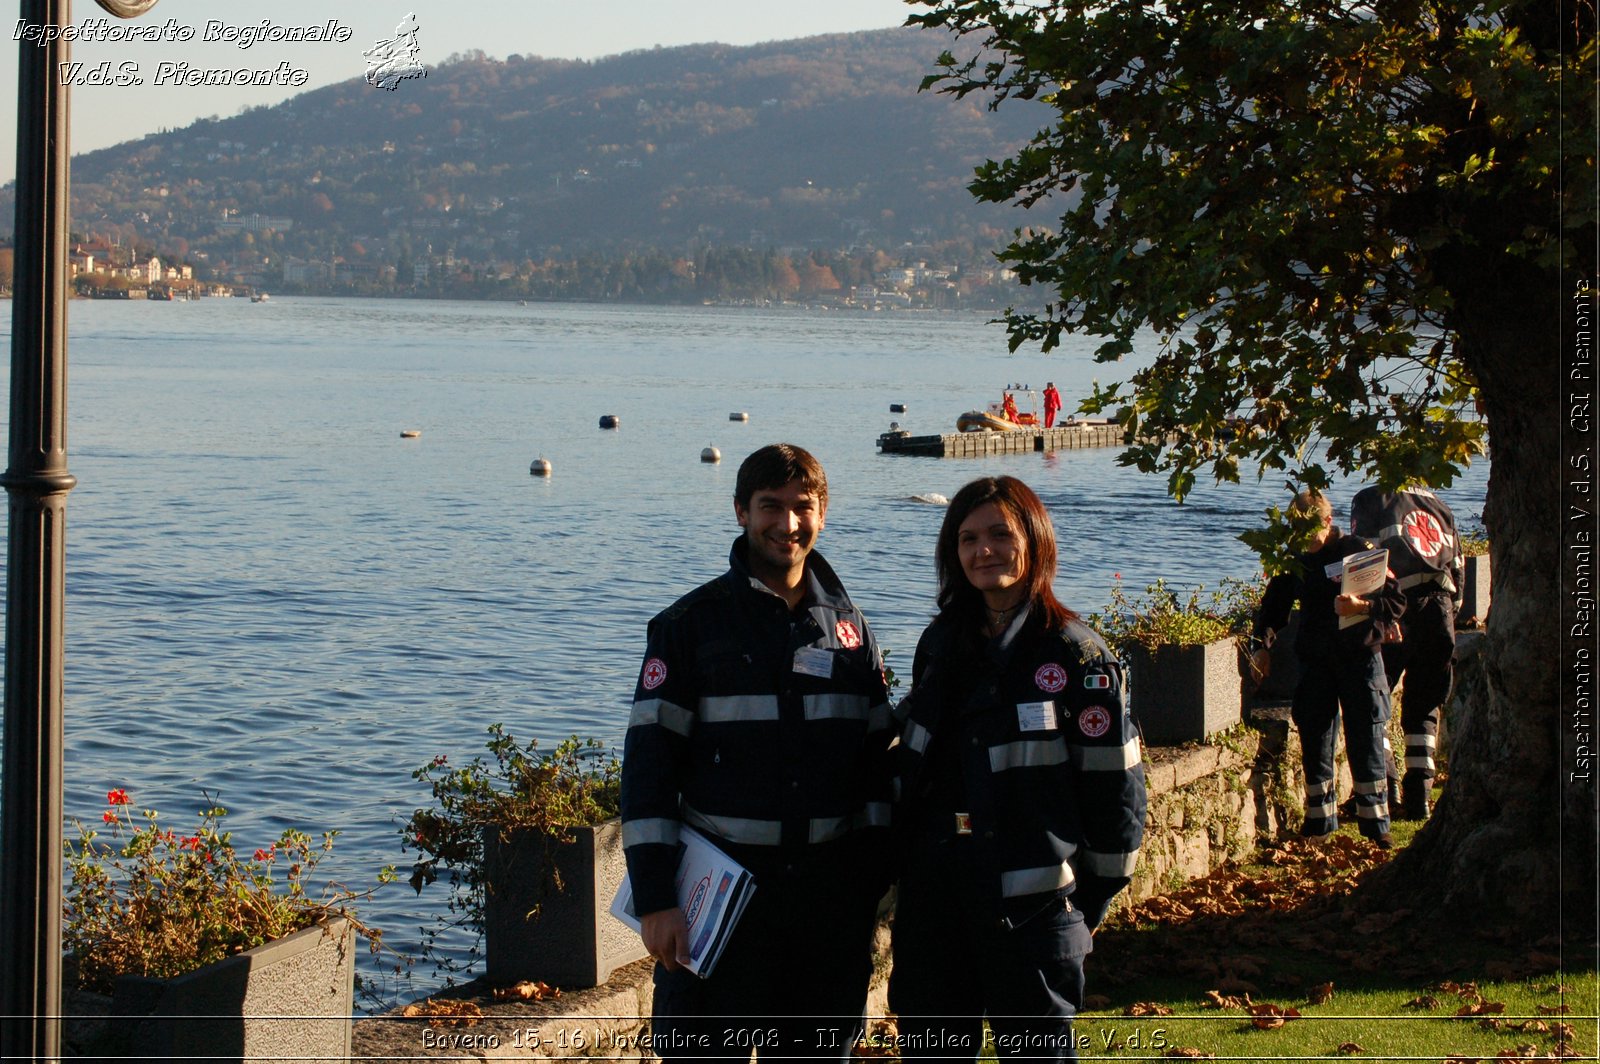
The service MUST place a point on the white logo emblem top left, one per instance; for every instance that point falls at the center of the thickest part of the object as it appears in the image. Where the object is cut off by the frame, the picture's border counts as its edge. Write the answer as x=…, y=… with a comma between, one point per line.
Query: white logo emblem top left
x=391, y=61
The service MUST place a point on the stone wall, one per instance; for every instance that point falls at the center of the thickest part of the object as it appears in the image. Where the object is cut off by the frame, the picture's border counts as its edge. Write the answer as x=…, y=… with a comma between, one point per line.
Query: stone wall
x=1215, y=802
x=1208, y=804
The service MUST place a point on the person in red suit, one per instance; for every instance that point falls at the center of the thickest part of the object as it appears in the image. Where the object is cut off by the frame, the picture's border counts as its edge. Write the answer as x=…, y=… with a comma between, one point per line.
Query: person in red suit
x=1052, y=404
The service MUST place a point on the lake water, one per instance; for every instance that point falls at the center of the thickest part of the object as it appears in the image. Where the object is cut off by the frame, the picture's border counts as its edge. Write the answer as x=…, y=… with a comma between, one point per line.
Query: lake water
x=273, y=596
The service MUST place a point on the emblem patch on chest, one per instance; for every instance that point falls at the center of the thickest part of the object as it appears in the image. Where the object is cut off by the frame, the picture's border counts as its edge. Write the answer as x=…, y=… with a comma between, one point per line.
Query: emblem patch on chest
x=1050, y=678
x=1094, y=721
x=654, y=675
x=849, y=637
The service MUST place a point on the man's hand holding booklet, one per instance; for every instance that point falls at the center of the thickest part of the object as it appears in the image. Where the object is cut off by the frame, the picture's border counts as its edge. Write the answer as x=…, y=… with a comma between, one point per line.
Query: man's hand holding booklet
x=713, y=890
x=1362, y=574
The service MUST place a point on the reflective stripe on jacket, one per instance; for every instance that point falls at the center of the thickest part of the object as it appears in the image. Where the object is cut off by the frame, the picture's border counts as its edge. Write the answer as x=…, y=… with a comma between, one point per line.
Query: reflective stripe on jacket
x=760, y=727
x=1049, y=756
x=1418, y=529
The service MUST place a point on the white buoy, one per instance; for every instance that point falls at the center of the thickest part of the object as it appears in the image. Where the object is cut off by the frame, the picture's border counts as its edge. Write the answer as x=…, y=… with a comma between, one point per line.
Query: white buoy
x=540, y=467
x=738, y=415
x=710, y=454
x=410, y=434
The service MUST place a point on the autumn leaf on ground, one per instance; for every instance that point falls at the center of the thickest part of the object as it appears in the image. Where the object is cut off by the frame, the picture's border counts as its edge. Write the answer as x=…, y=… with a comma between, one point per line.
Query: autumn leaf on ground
x=1533, y=1027
x=1482, y=1008
x=1269, y=1017
x=1189, y=1052
x=1462, y=1060
x=1147, y=1008
x=1522, y=1052
x=1557, y=988
x=1216, y=1000
x=1490, y=1023
x=444, y=1012
x=526, y=990
x=1458, y=989
x=1564, y=1031
x=1320, y=994
x=1349, y=1048
x=1425, y=1001
x=1552, y=1010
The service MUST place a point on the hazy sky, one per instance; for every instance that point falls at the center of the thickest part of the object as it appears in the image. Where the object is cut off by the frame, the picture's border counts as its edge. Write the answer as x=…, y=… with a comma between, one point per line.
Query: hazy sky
x=568, y=29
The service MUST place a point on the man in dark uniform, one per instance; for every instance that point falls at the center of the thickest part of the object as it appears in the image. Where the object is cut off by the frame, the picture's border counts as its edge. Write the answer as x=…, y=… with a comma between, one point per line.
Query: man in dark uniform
x=762, y=720
x=1425, y=554
x=1340, y=669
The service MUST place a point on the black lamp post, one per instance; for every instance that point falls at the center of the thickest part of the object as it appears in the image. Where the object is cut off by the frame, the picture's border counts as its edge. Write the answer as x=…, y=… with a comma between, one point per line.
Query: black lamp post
x=37, y=483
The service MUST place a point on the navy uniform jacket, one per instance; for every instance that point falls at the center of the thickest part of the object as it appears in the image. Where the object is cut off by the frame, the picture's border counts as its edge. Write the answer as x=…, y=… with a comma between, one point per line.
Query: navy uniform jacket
x=1316, y=587
x=1420, y=532
x=1035, y=725
x=764, y=730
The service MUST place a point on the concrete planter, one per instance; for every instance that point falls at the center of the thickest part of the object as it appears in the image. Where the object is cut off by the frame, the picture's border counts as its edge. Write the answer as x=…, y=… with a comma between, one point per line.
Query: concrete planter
x=291, y=998
x=1184, y=693
x=1475, y=595
x=566, y=937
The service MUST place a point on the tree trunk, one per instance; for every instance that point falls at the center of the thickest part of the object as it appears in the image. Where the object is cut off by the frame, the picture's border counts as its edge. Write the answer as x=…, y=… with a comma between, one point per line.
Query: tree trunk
x=1514, y=834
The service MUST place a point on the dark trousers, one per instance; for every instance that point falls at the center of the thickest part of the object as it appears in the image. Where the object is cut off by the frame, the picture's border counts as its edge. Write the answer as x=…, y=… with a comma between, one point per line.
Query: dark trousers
x=1357, y=685
x=957, y=960
x=793, y=982
x=1425, y=659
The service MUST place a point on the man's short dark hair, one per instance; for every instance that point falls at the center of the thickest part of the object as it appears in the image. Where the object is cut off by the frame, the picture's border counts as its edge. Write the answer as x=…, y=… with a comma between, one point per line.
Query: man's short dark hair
x=775, y=465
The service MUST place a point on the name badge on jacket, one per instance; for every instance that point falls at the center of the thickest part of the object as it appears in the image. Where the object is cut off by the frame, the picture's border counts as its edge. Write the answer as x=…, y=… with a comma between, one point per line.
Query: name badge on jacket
x=1036, y=716
x=813, y=661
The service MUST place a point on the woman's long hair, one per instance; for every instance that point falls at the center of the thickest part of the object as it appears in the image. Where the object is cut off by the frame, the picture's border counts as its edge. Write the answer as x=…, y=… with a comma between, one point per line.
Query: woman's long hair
x=958, y=599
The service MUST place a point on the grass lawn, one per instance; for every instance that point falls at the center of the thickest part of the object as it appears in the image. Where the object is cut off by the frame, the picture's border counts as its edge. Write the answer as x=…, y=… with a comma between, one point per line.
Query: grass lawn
x=1275, y=960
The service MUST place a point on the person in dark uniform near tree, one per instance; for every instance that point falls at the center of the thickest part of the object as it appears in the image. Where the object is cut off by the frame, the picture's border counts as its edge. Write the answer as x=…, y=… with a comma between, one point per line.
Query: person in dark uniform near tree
x=1340, y=669
x=761, y=718
x=1425, y=554
x=1022, y=793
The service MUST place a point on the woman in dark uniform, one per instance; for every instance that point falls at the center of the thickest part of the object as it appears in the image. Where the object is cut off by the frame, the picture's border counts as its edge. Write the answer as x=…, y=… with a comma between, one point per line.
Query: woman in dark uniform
x=1022, y=796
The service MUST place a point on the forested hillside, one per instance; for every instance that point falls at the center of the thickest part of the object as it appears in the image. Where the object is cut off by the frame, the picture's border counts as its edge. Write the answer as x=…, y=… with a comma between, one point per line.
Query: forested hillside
x=822, y=143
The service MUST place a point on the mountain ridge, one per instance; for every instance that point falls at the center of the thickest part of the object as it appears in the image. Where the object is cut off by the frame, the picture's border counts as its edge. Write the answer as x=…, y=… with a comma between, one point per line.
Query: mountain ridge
x=817, y=143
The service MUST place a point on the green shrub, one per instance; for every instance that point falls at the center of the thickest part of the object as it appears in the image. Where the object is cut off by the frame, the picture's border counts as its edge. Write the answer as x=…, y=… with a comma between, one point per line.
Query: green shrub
x=574, y=785
x=1163, y=616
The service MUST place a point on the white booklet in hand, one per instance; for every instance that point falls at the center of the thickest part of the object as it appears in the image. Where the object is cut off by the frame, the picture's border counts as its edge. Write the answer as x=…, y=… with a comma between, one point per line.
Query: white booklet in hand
x=713, y=890
x=1362, y=574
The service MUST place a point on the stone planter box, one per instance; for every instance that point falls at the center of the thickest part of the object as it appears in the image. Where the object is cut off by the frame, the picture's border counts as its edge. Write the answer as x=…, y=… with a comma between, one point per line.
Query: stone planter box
x=1184, y=693
x=567, y=937
x=1475, y=595
x=289, y=999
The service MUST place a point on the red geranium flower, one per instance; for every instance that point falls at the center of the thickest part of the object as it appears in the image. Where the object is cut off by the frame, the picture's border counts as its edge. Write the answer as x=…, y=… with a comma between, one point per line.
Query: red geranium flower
x=117, y=797
x=263, y=855
x=190, y=843
x=109, y=817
